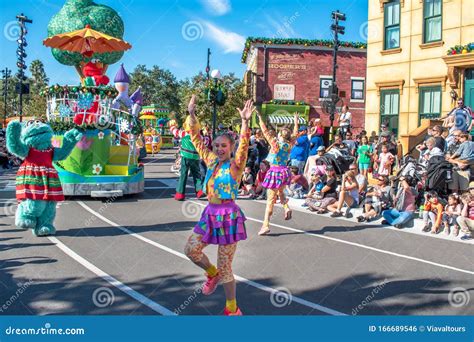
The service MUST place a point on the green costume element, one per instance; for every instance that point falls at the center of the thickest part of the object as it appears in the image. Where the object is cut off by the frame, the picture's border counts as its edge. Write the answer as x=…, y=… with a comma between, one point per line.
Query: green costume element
x=188, y=150
x=37, y=178
x=75, y=15
x=189, y=165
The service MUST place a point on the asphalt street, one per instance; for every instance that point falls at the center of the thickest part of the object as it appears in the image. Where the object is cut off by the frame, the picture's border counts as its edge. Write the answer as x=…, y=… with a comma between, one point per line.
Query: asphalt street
x=124, y=256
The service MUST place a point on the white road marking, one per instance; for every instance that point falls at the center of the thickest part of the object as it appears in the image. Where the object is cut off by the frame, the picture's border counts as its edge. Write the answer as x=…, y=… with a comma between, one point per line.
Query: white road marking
x=111, y=280
x=359, y=245
x=181, y=255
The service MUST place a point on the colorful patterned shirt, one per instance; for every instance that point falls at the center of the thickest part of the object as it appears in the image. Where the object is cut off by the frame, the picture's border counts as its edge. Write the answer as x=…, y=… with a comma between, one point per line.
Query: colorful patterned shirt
x=218, y=172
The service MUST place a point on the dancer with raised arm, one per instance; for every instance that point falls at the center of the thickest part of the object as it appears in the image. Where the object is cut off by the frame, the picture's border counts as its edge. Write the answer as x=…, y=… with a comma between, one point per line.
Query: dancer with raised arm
x=222, y=222
x=279, y=175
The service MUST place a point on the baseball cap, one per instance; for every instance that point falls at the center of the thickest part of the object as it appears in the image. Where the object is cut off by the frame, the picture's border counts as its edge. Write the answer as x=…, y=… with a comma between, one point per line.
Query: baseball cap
x=320, y=148
x=302, y=128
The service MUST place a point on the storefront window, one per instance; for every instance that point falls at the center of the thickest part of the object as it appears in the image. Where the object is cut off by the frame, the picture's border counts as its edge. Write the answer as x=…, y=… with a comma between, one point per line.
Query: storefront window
x=324, y=86
x=430, y=102
x=392, y=25
x=357, y=90
x=389, y=108
x=432, y=20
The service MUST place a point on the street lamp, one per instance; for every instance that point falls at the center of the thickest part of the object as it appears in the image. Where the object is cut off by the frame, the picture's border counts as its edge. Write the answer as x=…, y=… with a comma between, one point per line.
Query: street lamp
x=6, y=73
x=334, y=91
x=21, y=89
x=216, y=76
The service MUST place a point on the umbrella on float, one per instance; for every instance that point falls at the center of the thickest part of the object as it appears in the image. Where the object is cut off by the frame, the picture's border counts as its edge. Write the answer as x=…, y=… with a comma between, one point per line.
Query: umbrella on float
x=87, y=42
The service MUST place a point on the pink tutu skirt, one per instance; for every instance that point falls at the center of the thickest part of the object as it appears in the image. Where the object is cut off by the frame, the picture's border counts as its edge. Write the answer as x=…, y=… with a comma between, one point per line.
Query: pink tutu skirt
x=222, y=224
x=276, y=177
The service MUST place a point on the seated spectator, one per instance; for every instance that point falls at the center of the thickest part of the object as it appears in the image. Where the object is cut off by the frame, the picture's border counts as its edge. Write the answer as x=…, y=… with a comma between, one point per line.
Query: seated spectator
x=404, y=204
x=260, y=191
x=432, y=213
x=361, y=181
x=378, y=198
x=350, y=143
x=384, y=161
x=364, y=153
x=348, y=194
x=431, y=149
x=328, y=192
x=452, y=211
x=311, y=166
x=298, y=184
x=454, y=144
x=247, y=182
x=464, y=155
x=386, y=138
x=466, y=219
x=339, y=146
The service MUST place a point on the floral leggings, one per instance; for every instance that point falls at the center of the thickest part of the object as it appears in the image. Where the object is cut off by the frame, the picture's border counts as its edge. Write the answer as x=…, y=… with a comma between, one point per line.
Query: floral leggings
x=225, y=255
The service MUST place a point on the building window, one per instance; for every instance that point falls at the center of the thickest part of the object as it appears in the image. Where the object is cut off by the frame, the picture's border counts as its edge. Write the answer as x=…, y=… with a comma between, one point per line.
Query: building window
x=357, y=89
x=389, y=108
x=392, y=25
x=432, y=20
x=430, y=102
x=324, y=87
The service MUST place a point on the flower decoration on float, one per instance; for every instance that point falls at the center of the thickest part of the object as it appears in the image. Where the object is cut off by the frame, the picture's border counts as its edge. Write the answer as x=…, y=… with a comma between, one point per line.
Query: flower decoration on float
x=296, y=41
x=287, y=102
x=102, y=91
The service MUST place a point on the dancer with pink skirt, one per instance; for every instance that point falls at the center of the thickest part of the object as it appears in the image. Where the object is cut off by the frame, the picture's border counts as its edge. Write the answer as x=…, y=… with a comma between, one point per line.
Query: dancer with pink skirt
x=222, y=223
x=279, y=175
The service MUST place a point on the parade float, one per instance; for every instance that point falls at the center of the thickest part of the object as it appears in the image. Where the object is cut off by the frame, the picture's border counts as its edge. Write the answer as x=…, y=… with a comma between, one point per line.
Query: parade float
x=153, y=119
x=104, y=163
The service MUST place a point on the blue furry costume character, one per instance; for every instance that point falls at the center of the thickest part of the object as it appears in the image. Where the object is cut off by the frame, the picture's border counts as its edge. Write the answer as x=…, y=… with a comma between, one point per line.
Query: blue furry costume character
x=38, y=187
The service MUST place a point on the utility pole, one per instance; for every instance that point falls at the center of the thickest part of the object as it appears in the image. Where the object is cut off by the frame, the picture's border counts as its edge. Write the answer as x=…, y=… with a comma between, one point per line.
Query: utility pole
x=22, y=21
x=5, y=75
x=208, y=67
x=334, y=91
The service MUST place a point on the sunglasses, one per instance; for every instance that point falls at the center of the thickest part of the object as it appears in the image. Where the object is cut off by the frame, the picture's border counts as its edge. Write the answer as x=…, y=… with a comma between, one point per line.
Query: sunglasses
x=353, y=169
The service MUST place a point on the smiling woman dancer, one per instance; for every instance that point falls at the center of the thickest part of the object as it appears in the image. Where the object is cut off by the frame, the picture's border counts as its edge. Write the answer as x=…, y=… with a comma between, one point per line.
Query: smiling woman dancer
x=279, y=175
x=222, y=222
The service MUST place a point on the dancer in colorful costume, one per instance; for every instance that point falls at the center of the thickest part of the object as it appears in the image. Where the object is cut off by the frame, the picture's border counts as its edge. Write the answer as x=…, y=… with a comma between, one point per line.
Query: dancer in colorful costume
x=38, y=187
x=279, y=175
x=189, y=160
x=222, y=223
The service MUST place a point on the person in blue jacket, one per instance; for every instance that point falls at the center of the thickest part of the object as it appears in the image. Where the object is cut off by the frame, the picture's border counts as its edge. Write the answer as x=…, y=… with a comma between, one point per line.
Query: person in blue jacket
x=300, y=151
x=315, y=140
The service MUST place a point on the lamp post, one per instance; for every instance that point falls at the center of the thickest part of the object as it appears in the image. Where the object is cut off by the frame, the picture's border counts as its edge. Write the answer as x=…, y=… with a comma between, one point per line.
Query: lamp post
x=22, y=21
x=216, y=76
x=5, y=75
x=334, y=91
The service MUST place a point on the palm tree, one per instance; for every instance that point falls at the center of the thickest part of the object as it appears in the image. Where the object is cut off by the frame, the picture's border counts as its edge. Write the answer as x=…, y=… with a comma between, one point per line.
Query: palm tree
x=38, y=74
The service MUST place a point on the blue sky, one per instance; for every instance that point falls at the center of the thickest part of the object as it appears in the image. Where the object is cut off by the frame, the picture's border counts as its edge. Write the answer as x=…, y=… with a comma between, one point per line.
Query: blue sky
x=175, y=34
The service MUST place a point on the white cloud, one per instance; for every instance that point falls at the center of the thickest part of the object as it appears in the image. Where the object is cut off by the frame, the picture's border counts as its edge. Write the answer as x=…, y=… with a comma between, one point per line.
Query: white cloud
x=217, y=7
x=229, y=41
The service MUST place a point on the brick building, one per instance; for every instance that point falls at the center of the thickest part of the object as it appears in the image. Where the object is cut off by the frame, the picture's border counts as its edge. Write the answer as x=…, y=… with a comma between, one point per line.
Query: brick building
x=288, y=75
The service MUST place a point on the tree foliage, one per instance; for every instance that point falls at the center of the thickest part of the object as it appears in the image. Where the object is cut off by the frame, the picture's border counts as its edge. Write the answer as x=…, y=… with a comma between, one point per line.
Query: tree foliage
x=75, y=15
